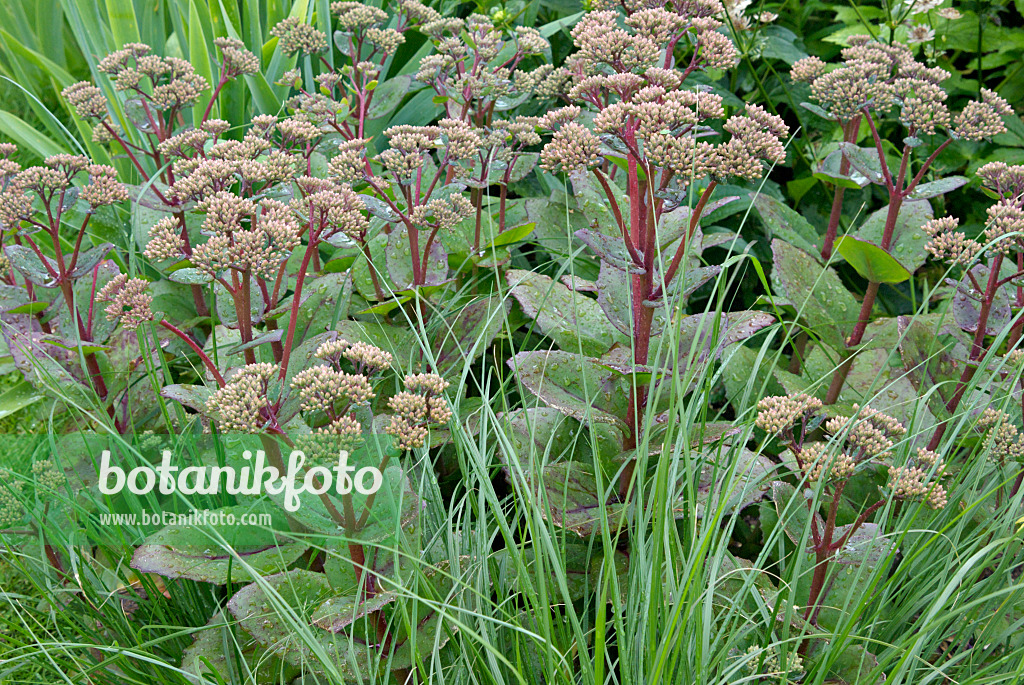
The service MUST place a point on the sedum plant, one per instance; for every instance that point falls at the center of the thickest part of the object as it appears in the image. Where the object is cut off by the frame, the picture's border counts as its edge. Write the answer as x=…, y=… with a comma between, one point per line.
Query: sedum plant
x=42, y=257
x=875, y=81
x=636, y=121
x=857, y=443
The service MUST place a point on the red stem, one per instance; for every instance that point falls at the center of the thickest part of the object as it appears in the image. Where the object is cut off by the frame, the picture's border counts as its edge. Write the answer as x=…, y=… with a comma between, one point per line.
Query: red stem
x=197, y=349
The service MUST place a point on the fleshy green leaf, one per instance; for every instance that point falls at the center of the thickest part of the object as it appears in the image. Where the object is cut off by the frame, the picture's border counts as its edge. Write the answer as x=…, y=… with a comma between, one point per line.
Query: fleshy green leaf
x=908, y=237
x=871, y=261
x=573, y=320
x=187, y=552
x=786, y=223
x=577, y=386
x=817, y=294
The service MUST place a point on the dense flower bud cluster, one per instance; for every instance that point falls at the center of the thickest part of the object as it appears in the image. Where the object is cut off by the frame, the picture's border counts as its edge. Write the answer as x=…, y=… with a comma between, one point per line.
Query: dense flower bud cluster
x=243, y=404
x=333, y=392
x=163, y=83
x=236, y=59
x=11, y=508
x=244, y=236
x=867, y=434
x=767, y=662
x=86, y=99
x=129, y=301
x=627, y=75
x=294, y=35
x=877, y=77
x=48, y=476
x=444, y=214
x=777, y=414
x=919, y=480
x=421, y=404
x=1005, y=439
x=949, y=244
x=821, y=461
x=1004, y=230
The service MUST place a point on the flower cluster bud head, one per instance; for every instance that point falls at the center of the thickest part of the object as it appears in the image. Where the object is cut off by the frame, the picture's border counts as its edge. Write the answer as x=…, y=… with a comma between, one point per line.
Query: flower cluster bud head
x=294, y=35
x=948, y=244
x=407, y=435
x=868, y=433
x=556, y=118
x=530, y=41
x=323, y=444
x=1006, y=440
x=442, y=213
x=86, y=99
x=356, y=16
x=349, y=165
x=416, y=408
x=215, y=127
x=777, y=414
x=104, y=188
x=770, y=664
x=919, y=480
x=332, y=350
x=814, y=457
x=244, y=236
x=388, y=40
x=756, y=139
x=982, y=119
x=367, y=358
x=923, y=108
x=340, y=208
x=572, y=148
x=459, y=139
x=129, y=301
x=185, y=144
x=243, y=405
x=322, y=388
x=1005, y=224
x=602, y=44
x=416, y=11
x=291, y=78
x=48, y=476
x=174, y=82
x=807, y=70
x=1003, y=179
x=11, y=508
x=426, y=383
x=237, y=60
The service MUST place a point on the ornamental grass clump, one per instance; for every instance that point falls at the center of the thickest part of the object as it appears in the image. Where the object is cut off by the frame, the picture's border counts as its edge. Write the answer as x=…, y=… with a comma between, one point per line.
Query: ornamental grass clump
x=366, y=257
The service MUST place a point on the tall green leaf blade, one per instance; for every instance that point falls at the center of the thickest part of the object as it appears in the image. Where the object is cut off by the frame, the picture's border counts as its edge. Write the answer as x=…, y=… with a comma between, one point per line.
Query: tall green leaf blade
x=22, y=133
x=121, y=14
x=199, y=48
